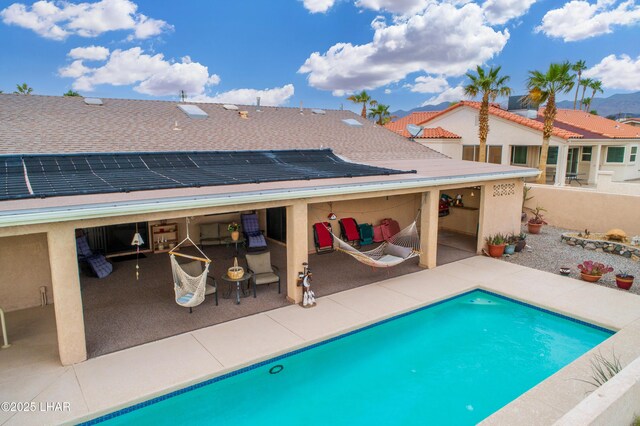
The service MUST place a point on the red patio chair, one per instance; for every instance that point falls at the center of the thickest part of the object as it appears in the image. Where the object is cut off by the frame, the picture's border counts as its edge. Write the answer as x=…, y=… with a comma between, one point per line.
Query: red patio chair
x=390, y=228
x=322, y=237
x=349, y=231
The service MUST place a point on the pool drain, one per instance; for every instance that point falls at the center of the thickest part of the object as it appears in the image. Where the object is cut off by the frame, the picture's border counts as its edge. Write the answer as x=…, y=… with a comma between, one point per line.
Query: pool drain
x=276, y=369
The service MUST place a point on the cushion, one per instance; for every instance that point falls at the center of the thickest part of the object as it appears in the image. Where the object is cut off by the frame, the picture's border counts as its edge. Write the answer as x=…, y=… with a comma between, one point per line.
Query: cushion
x=82, y=245
x=185, y=299
x=350, y=229
x=209, y=289
x=398, y=251
x=259, y=263
x=377, y=234
x=325, y=239
x=387, y=258
x=266, y=278
x=193, y=269
x=209, y=230
x=100, y=266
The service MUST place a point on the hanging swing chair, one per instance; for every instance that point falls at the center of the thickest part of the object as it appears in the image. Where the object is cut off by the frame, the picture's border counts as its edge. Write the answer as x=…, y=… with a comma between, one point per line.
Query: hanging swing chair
x=189, y=290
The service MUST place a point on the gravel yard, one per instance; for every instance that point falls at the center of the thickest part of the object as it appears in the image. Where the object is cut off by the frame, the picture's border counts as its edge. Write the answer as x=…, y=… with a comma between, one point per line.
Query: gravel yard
x=546, y=252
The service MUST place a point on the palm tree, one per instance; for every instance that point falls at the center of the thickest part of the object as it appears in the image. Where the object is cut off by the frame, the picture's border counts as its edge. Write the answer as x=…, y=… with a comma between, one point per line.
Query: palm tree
x=382, y=112
x=544, y=87
x=23, y=89
x=362, y=98
x=596, y=86
x=578, y=67
x=585, y=82
x=71, y=93
x=488, y=84
x=587, y=104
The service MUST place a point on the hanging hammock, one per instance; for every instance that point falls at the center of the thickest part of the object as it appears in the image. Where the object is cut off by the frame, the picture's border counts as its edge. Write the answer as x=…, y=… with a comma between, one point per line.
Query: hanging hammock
x=189, y=290
x=402, y=246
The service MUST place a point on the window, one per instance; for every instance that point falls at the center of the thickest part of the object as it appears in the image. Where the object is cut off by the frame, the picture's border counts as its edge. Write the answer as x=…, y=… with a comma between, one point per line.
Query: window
x=494, y=154
x=586, y=153
x=552, y=155
x=615, y=154
x=469, y=152
x=519, y=155
x=634, y=154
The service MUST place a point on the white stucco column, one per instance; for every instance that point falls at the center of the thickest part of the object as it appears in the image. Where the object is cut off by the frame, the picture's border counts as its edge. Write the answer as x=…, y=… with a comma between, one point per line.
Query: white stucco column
x=297, y=249
x=561, y=165
x=67, y=296
x=596, y=169
x=429, y=228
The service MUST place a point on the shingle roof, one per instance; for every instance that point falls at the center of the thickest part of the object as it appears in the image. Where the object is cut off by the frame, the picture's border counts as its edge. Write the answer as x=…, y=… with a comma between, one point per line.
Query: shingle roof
x=499, y=112
x=400, y=125
x=48, y=124
x=596, y=124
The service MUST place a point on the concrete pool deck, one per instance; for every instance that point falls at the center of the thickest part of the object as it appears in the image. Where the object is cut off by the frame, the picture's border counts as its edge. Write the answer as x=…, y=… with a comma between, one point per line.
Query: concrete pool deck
x=30, y=370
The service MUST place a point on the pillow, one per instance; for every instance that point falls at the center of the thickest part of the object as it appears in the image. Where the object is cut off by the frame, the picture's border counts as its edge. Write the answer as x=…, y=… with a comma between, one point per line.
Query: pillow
x=398, y=251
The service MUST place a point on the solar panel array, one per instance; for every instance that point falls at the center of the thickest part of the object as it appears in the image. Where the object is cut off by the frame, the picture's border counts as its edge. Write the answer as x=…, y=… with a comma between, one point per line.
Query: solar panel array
x=25, y=176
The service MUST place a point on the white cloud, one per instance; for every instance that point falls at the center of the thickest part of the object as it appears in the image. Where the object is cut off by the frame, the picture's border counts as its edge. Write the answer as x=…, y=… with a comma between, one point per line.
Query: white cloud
x=152, y=74
x=387, y=91
x=92, y=53
x=579, y=19
x=617, y=73
x=452, y=94
x=400, y=7
x=318, y=6
x=428, y=84
x=58, y=20
x=269, y=97
x=499, y=12
x=443, y=39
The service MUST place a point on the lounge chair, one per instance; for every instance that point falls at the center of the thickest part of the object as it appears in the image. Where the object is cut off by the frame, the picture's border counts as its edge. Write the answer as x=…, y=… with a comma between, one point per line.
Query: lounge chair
x=252, y=233
x=349, y=231
x=96, y=261
x=366, y=234
x=322, y=237
x=390, y=228
x=262, y=269
x=195, y=269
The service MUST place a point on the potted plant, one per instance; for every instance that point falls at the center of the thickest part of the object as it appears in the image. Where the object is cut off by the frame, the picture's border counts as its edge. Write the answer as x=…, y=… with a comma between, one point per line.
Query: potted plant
x=525, y=192
x=510, y=248
x=624, y=280
x=496, y=244
x=521, y=242
x=234, y=228
x=535, y=223
x=591, y=271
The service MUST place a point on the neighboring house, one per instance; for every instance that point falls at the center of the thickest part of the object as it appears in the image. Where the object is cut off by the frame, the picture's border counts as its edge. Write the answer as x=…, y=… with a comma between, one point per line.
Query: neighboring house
x=582, y=144
x=436, y=138
x=631, y=121
x=70, y=165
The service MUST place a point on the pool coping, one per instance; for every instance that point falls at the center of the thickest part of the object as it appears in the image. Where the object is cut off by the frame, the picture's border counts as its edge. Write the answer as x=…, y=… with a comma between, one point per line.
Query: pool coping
x=311, y=346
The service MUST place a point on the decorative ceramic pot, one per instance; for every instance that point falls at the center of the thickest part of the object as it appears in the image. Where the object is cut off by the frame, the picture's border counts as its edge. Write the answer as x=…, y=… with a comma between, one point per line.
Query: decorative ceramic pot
x=625, y=282
x=520, y=245
x=496, y=251
x=590, y=278
x=534, y=228
x=235, y=235
x=565, y=271
x=509, y=249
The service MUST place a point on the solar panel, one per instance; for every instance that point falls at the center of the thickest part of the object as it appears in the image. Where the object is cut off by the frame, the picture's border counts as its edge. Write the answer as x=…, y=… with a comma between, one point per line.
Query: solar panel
x=74, y=174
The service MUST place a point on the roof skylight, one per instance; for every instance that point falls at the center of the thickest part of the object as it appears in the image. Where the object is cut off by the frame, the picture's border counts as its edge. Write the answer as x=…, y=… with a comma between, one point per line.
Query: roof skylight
x=352, y=122
x=318, y=111
x=93, y=101
x=193, y=111
x=230, y=107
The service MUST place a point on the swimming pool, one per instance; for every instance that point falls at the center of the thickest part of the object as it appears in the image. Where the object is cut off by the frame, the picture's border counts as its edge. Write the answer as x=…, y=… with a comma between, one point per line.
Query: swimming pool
x=454, y=362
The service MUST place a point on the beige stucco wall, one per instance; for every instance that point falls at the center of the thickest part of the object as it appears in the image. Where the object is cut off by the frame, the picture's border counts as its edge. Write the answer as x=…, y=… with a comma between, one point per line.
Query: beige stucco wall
x=450, y=147
x=24, y=266
x=579, y=208
x=402, y=208
x=500, y=209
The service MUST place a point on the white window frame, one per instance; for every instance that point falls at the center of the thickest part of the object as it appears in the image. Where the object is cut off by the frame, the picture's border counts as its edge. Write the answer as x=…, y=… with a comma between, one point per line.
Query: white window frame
x=526, y=156
x=582, y=153
x=635, y=154
x=624, y=155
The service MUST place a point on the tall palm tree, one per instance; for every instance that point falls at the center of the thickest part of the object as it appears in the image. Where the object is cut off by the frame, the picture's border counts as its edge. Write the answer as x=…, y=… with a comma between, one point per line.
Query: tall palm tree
x=381, y=112
x=587, y=104
x=578, y=67
x=543, y=87
x=23, y=89
x=361, y=98
x=71, y=93
x=596, y=86
x=488, y=84
x=585, y=82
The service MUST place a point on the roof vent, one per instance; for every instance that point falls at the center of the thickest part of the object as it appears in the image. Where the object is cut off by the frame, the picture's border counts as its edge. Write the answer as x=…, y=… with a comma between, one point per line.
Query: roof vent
x=318, y=111
x=93, y=101
x=351, y=122
x=193, y=111
x=230, y=107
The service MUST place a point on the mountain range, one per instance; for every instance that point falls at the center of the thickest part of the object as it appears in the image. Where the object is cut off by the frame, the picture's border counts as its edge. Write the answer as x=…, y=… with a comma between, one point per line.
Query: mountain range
x=620, y=105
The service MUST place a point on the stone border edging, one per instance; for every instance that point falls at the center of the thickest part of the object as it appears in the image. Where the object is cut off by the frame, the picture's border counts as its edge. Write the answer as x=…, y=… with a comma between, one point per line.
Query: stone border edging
x=615, y=247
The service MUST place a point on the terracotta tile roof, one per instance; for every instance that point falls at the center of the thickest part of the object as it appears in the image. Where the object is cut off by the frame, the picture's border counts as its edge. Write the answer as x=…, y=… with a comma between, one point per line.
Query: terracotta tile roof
x=499, y=112
x=594, y=123
x=50, y=124
x=400, y=125
x=437, y=133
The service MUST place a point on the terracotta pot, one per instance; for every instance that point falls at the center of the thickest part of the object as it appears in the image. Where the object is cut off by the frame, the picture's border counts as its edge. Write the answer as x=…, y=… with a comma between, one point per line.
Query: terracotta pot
x=624, y=283
x=496, y=251
x=235, y=235
x=590, y=278
x=534, y=228
x=520, y=245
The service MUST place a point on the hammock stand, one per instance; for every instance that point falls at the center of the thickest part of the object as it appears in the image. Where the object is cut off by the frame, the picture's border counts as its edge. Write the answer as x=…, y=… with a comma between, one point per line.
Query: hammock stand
x=189, y=290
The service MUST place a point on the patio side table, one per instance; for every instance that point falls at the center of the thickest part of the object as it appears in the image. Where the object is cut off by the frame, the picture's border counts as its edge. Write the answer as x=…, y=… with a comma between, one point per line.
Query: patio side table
x=246, y=277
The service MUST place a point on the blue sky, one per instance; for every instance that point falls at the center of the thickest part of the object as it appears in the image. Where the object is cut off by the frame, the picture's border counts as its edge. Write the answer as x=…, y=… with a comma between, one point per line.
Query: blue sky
x=406, y=53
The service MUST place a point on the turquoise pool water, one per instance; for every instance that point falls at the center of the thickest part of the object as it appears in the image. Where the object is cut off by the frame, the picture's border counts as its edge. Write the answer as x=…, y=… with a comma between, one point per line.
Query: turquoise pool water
x=455, y=362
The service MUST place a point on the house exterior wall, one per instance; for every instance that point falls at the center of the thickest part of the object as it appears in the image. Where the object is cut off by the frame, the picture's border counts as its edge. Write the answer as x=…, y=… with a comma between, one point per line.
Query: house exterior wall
x=449, y=147
x=500, y=209
x=24, y=262
x=622, y=171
